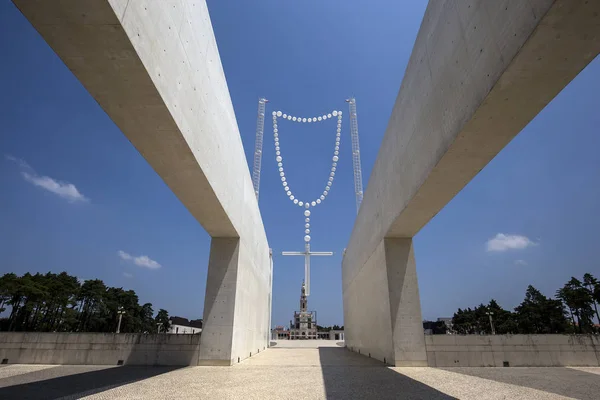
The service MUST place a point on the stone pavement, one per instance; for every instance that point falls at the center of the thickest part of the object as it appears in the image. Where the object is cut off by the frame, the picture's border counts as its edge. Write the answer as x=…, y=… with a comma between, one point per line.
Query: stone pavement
x=297, y=370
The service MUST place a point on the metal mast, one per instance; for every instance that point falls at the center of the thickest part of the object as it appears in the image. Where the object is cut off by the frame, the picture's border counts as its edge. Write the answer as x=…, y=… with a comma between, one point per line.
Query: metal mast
x=358, y=186
x=258, y=145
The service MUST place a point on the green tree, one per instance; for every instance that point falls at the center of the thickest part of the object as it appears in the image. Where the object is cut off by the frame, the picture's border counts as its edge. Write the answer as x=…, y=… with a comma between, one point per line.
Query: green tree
x=162, y=320
x=540, y=314
x=592, y=286
x=579, y=302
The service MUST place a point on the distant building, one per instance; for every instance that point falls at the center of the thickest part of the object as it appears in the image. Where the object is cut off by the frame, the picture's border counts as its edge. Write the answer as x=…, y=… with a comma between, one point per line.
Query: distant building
x=304, y=324
x=448, y=322
x=181, y=325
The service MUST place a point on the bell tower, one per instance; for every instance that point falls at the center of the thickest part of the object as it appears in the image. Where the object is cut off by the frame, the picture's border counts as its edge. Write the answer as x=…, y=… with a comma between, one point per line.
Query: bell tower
x=303, y=299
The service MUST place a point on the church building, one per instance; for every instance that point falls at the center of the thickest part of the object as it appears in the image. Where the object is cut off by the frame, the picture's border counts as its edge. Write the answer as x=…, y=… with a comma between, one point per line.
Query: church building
x=304, y=325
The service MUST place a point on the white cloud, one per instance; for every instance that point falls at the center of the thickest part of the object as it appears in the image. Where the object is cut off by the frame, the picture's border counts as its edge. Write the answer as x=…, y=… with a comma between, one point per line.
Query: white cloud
x=520, y=262
x=127, y=275
x=140, y=261
x=65, y=190
x=504, y=242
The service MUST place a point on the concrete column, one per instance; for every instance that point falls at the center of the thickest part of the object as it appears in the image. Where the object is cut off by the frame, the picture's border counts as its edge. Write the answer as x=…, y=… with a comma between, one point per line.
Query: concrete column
x=405, y=305
x=382, y=310
x=216, y=342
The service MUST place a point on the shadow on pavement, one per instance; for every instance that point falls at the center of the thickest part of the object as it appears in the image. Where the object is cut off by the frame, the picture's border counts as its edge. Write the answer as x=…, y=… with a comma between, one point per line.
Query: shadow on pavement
x=61, y=381
x=348, y=375
x=562, y=381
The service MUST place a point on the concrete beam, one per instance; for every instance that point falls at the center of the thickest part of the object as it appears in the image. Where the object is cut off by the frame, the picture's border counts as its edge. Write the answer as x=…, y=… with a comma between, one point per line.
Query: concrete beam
x=478, y=73
x=154, y=67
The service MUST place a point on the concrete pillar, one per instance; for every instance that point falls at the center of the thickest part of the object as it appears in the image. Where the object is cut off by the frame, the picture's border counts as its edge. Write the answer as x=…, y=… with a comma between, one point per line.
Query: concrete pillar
x=405, y=305
x=216, y=343
x=386, y=324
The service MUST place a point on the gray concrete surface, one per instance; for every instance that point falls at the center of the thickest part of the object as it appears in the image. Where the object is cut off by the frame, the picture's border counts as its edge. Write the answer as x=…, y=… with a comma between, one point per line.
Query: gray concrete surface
x=478, y=73
x=516, y=350
x=154, y=68
x=308, y=373
x=99, y=348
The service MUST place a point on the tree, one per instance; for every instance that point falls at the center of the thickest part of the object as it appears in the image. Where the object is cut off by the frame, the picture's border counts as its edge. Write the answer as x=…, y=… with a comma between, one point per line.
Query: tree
x=59, y=302
x=579, y=302
x=162, y=320
x=592, y=286
x=539, y=314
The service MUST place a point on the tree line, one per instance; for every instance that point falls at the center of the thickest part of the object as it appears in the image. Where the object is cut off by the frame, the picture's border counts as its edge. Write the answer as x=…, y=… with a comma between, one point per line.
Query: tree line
x=571, y=311
x=61, y=303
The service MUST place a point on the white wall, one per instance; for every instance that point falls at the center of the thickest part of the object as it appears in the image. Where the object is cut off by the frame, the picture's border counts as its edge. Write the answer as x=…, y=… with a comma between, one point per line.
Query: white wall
x=517, y=350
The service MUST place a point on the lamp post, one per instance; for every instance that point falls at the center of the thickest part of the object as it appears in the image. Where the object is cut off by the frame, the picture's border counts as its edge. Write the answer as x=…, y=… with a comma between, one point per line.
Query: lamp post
x=120, y=313
x=489, y=314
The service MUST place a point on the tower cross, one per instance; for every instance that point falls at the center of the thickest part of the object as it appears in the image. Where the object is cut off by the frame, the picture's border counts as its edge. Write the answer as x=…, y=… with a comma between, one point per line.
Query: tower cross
x=307, y=253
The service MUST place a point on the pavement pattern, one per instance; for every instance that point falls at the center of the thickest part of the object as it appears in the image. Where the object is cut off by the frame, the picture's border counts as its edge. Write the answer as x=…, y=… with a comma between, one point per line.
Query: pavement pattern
x=297, y=370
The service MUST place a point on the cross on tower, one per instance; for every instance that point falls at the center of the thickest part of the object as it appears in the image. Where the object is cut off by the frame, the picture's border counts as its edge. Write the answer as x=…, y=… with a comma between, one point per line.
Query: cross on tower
x=307, y=253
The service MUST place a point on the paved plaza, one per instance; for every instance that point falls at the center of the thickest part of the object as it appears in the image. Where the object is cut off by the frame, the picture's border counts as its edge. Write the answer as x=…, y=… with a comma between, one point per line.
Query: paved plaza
x=297, y=369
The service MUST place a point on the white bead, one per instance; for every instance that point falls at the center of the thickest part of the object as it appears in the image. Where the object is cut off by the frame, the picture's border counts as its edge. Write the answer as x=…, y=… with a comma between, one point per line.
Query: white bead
x=332, y=173
x=295, y=201
x=276, y=142
x=289, y=117
x=307, y=213
x=335, y=158
x=336, y=152
x=280, y=164
x=303, y=119
x=277, y=148
x=307, y=204
x=307, y=231
x=279, y=158
x=282, y=174
x=300, y=204
x=277, y=152
x=333, y=168
x=333, y=113
x=284, y=183
x=274, y=113
x=275, y=130
x=334, y=164
x=337, y=147
x=289, y=193
x=339, y=114
x=292, y=197
x=284, y=115
x=328, y=115
x=330, y=178
x=324, y=116
x=279, y=113
x=328, y=184
x=319, y=200
x=307, y=225
x=293, y=118
x=286, y=188
x=322, y=197
x=325, y=192
x=312, y=203
x=319, y=118
x=338, y=131
x=307, y=238
x=307, y=219
x=283, y=179
x=280, y=169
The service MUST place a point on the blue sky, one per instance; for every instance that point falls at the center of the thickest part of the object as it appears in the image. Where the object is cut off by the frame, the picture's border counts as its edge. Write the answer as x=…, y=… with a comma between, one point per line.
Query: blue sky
x=306, y=58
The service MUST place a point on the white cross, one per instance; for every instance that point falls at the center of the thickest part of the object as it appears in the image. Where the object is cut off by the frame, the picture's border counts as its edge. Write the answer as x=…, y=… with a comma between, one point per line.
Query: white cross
x=307, y=253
